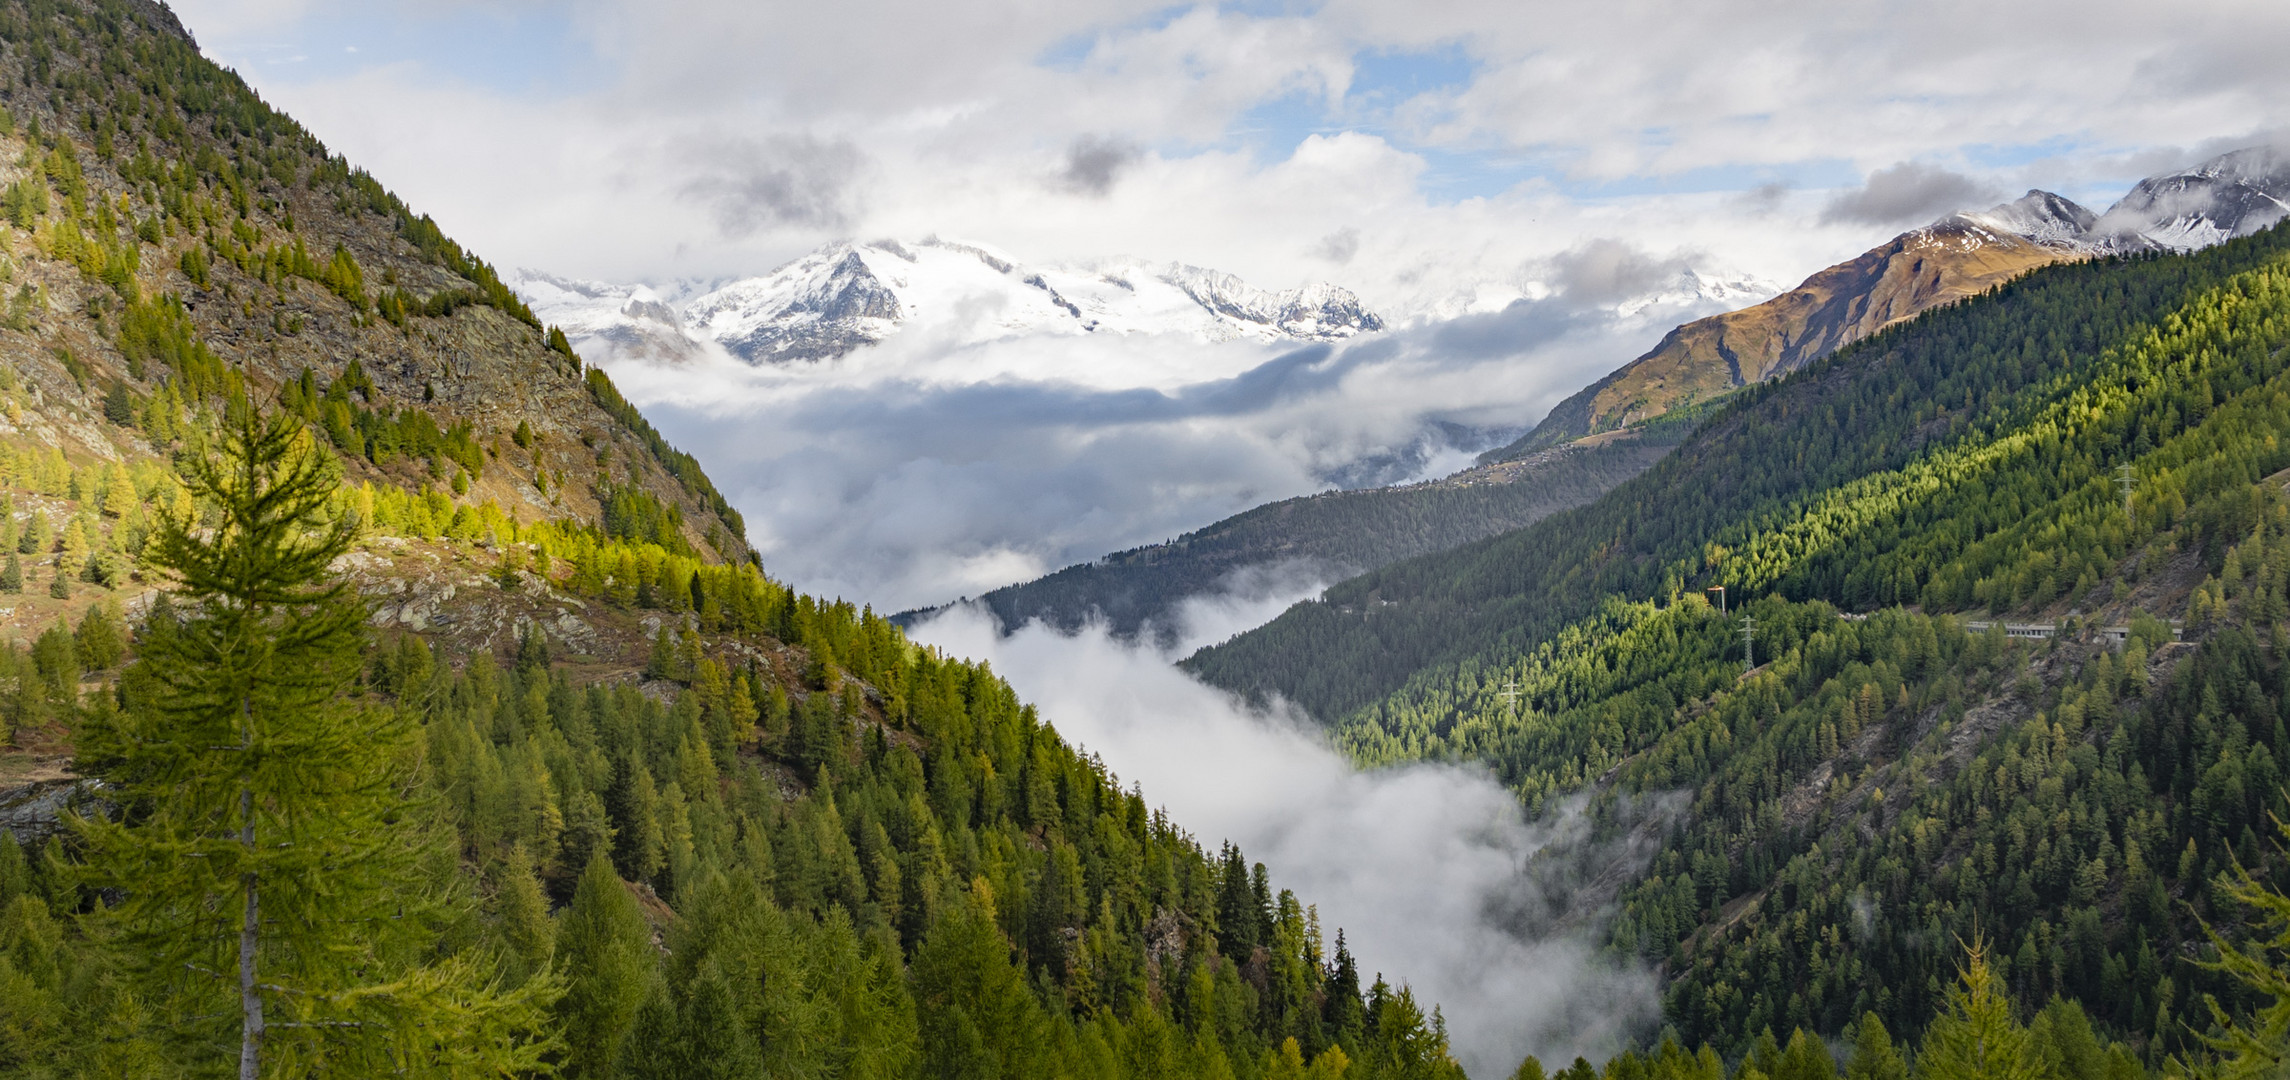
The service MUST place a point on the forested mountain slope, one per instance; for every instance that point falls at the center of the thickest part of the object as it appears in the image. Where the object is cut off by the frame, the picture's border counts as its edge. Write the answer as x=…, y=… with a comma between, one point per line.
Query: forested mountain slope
x=1960, y=373
x=1888, y=780
x=1331, y=535
x=652, y=813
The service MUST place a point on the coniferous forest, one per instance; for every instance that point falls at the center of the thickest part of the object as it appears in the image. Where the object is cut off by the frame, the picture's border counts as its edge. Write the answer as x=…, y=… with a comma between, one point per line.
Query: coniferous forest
x=398, y=701
x=1897, y=773
x=746, y=833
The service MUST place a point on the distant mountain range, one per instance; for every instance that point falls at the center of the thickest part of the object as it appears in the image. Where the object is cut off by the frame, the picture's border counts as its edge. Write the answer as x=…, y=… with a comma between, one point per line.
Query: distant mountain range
x=1960, y=255
x=848, y=295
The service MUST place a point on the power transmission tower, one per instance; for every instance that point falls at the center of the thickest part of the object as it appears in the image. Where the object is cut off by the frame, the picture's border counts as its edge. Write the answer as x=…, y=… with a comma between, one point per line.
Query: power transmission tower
x=1748, y=649
x=2125, y=477
x=1510, y=696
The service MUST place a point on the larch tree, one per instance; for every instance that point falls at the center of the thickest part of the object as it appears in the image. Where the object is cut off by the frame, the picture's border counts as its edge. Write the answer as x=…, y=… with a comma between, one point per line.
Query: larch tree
x=270, y=883
x=1976, y=1037
x=605, y=952
x=2257, y=1045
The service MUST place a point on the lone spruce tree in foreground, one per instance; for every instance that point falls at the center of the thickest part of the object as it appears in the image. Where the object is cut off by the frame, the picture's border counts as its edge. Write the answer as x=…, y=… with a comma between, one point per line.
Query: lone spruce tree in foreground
x=272, y=864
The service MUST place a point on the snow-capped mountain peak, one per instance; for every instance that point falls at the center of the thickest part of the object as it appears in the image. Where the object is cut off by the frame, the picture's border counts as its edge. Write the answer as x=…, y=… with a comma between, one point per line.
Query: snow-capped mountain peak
x=2039, y=217
x=2233, y=194
x=1318, y=311
x=848, y=295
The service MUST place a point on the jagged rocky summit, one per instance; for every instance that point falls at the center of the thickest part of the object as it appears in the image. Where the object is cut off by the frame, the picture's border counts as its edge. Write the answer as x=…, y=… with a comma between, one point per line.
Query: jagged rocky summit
x=848, y=295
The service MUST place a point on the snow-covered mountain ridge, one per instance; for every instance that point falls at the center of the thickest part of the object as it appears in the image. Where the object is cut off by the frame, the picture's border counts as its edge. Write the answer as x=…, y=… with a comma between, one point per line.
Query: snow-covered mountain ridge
x=845, y=296
x=2234, y=194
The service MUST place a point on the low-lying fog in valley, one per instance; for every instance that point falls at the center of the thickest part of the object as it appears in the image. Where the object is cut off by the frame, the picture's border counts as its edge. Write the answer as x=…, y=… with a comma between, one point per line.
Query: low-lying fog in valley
x=930, y=467
x=1430, y=870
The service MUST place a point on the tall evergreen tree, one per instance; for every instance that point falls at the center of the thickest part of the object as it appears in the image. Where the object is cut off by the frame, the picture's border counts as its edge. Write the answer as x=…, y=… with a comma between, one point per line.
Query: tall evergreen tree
x=605, y=952
x=1977, y=1038
x=267, y=872
x=1238, y=910
x=1874, y=1056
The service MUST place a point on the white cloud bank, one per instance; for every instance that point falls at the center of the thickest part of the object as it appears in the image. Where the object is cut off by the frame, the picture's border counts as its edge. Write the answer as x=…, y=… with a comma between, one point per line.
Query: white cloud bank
x=620, y=139
x=933, y=466
x=1430, y=870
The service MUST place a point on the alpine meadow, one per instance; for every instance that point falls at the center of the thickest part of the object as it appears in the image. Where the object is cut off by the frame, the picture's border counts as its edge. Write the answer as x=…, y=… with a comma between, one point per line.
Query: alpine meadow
x=1892, y=673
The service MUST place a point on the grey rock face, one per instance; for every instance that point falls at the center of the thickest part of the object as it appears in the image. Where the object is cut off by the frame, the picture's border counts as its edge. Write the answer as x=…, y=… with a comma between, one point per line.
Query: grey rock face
x=34, y=812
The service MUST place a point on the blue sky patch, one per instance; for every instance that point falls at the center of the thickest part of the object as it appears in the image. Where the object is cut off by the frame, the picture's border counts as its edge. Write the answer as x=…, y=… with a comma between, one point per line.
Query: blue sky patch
x=521, y=52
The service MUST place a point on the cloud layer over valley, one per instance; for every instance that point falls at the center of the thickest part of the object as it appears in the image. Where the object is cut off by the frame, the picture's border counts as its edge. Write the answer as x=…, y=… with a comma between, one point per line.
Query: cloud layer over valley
x=1433, y=874
x=936, y=465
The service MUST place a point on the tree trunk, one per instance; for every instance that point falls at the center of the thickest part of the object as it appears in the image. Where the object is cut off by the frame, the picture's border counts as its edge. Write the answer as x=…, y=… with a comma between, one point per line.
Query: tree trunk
x=250, y=999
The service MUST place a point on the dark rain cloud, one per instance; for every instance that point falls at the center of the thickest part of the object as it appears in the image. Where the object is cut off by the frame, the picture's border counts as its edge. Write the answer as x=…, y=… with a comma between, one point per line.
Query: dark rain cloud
x=1607, y=271
x=1093, y=165
x=1765, y=198
x=1910, y=193
x=754, y=184
x=1519, y=327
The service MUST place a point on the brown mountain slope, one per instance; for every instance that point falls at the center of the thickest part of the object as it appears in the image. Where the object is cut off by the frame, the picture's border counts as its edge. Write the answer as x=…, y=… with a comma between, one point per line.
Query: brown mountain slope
x=1956, y=257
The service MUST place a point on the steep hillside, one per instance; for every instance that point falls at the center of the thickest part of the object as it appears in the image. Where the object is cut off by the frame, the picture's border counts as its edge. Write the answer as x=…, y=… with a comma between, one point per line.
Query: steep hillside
x=659, y=815
x=172, y=237
x=1958, y=372
x=1965, y=713
x=1958, y=256
x=1331, y=536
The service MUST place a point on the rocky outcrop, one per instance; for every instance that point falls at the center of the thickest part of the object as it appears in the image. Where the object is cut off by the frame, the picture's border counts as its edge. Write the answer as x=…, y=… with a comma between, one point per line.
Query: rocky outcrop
x=33, y=812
